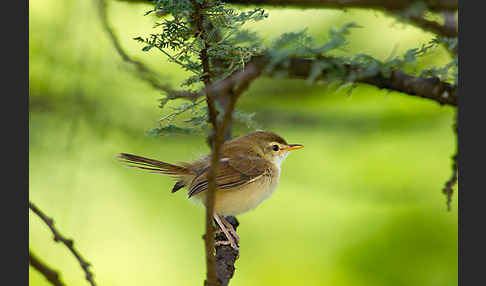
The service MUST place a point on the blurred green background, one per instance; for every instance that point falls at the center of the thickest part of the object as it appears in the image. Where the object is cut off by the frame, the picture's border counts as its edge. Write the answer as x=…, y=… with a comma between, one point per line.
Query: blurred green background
x=360, y=205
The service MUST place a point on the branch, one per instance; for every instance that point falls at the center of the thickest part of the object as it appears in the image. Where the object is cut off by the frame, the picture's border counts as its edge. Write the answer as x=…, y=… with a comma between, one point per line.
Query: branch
x=237, y=82
x=445, y=30
x=211, y=278
x=68, y=242
x=431, y=88
x=232, y=87
x=50, y=274
x=226, y=255
x=384, y=5
x=219, y=272
x=433, y=5
x=450, y=20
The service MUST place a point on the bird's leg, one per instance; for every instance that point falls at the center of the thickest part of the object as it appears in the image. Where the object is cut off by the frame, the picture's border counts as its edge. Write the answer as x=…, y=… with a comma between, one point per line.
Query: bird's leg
x=221, y=242
x=231, y=240
x=231, y=230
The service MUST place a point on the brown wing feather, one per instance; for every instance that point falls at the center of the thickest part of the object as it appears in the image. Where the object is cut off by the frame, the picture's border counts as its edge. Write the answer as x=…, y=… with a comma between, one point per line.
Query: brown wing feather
x=233, y=172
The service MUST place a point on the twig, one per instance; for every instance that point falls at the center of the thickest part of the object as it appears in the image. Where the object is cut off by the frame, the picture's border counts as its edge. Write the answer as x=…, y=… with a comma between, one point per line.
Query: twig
x=50, y=274
x=58, y=237
x=181, y=111
x=451, y=182
x=143, y=72
x=453, y=179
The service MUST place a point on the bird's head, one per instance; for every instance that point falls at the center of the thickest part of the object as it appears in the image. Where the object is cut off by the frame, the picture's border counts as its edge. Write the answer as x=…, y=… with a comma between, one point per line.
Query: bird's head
x=273, y=147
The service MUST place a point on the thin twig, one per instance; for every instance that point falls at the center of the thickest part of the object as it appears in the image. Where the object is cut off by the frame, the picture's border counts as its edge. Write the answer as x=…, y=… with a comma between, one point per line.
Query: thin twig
x=142, y=71
x=453, y=179
x=190, y=106
x=58, y=237
x=448, y=188
x=50, y=274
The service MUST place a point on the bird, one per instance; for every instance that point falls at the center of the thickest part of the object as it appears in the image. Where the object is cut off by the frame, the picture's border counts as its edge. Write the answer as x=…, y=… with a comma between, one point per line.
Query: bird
x=248, y=173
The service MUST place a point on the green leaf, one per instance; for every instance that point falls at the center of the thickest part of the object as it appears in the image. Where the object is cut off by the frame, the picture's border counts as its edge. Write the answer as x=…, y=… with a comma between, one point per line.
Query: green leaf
x=147, y=48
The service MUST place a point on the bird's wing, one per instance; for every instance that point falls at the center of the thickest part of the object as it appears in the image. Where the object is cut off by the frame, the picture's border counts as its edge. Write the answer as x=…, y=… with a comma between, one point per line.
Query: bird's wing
x=232, y=172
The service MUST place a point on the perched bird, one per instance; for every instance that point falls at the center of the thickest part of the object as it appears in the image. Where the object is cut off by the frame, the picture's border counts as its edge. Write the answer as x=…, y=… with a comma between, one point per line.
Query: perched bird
x=248, y=173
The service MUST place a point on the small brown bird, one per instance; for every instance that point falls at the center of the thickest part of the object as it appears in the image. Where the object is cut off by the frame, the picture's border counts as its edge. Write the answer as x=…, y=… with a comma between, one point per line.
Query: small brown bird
x=248, y=173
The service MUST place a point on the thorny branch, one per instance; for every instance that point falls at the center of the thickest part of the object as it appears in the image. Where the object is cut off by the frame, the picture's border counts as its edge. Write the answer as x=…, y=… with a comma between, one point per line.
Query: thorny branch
x=50, y=274
x=69, y=243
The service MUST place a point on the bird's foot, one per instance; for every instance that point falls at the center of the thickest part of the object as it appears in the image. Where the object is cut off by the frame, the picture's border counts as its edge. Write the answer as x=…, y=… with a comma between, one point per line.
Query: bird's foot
x=231, y=230
x=226, y=242
x=231, y=239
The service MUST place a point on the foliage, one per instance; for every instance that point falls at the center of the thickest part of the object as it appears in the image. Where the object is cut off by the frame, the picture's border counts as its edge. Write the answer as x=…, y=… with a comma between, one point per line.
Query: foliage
x=230, y=46
x=348, y=69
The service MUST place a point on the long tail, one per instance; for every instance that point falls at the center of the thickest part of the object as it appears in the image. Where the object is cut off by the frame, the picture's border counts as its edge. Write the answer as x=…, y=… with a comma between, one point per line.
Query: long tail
x=153, y=165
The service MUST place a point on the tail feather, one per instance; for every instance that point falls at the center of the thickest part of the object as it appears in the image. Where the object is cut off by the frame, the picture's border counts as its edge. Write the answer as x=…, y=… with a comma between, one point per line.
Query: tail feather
x=153, y=165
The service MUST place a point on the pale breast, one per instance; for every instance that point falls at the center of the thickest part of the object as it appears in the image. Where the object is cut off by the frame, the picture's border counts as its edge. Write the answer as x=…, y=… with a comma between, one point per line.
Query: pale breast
x=245, y=198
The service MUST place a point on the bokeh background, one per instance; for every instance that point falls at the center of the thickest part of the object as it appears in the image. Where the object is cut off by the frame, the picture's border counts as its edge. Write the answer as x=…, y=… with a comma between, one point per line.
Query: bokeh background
x=360, y=205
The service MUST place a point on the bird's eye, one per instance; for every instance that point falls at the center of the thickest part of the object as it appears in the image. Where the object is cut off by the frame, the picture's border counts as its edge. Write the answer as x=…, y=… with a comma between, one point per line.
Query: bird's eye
x=275, y=147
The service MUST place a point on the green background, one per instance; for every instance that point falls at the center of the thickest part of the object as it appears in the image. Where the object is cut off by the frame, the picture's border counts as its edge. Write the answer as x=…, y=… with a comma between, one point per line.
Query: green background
x=361, y=204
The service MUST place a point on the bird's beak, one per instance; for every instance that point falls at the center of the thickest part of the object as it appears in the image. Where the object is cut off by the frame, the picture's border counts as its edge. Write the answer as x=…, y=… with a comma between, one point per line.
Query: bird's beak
x=292, y=147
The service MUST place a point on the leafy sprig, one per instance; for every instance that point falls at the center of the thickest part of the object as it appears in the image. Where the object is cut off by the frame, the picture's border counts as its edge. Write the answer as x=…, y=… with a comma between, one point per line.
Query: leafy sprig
x=230, y=46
